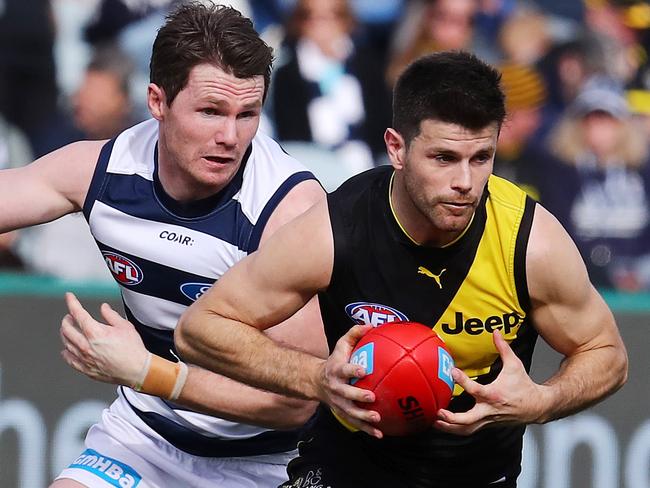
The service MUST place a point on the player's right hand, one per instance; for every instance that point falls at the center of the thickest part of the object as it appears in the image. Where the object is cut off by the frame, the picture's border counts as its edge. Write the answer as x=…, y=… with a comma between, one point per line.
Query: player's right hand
x=112, y=352
x=336, y=391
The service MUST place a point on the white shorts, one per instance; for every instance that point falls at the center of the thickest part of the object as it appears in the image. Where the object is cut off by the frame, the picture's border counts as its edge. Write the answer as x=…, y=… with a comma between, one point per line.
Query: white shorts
x=122, y=455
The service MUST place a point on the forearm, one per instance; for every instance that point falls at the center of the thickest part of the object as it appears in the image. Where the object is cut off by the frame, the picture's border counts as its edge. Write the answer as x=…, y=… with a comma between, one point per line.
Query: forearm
x=245, y=354
x=222, y=397
x=583, y=380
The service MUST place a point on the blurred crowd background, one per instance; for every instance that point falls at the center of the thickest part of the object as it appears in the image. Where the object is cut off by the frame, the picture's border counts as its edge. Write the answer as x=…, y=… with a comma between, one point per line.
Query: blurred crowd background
x=576, y=75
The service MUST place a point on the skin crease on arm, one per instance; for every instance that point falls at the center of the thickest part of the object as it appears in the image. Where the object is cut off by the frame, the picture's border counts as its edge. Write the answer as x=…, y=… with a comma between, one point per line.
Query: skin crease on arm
x=573, y=319
x=268, y=409
x=50, y=187
x=222, y=331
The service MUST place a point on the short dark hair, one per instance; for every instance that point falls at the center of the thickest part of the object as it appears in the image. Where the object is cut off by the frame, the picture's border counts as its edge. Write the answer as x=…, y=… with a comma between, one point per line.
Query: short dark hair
x=196, y=33
x=449, y=86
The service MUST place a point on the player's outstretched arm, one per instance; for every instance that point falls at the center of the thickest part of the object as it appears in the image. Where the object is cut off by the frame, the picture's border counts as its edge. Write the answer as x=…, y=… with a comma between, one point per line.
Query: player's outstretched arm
x=50, y=187
x=573, y=318
x=222, y=331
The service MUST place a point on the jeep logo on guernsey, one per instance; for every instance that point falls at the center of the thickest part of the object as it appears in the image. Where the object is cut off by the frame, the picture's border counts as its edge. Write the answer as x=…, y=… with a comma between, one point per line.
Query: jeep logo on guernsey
x=373, y=313
x=193, y=291
x=110, y=470
x=476, y=326
x=124, y=270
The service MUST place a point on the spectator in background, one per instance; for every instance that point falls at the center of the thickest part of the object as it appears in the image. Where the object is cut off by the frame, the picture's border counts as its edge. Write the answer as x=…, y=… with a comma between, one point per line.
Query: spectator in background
x=518, y=158
x=609, y=21
x=102, y=108
x=102, y=105
x=600, y=189
x=28, y=89
x=14, y=151
x=438, y=25
x=565, y=69
x=327, y=89
x=525, y=37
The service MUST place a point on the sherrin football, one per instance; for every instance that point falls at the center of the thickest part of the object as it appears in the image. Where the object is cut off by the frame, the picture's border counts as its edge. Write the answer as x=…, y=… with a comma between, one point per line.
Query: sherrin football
x=409, y=369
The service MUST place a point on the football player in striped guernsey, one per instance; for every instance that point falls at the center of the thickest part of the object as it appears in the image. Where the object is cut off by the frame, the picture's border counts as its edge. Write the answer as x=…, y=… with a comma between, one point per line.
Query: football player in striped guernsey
x=434, y=238
x=173, y=203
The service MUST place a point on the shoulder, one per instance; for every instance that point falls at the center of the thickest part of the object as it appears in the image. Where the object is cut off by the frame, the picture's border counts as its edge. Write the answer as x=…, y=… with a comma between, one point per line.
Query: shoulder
x=555, y=269
x=367, y=183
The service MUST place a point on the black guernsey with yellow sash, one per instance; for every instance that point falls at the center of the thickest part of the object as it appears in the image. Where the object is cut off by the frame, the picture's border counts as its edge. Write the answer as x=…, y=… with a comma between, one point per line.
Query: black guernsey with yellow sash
x=464, y=291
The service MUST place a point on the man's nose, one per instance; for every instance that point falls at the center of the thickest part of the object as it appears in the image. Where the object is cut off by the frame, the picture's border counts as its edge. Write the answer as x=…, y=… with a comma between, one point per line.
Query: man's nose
x=462, y=177
x=227, y=133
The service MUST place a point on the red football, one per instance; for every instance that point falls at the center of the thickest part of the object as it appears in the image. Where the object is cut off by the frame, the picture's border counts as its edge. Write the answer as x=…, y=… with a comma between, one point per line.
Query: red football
x=409, y=368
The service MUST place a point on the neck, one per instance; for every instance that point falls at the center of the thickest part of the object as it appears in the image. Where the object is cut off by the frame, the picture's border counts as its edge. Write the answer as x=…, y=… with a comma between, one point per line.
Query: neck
x=415, y=225
x=178, y=184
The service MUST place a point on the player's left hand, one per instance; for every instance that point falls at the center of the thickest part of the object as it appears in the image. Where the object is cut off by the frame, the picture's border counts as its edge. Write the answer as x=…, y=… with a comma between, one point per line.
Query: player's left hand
x=112, y=352
x=513, y=397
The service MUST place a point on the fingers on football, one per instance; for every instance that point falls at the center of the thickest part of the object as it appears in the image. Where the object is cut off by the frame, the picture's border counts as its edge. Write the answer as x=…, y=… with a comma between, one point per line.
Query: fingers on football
x=360, y=419
x=350, y=371
x=469, y=385
x=355, y=334
x=462, y=423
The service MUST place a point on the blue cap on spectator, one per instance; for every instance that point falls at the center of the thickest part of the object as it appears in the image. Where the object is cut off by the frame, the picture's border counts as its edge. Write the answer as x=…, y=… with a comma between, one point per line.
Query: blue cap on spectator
x=601, y=94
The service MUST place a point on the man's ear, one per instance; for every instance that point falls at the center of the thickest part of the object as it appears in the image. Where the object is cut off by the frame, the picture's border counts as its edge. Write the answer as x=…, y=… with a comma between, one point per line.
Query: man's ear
x=156, y=101
x=395, y=147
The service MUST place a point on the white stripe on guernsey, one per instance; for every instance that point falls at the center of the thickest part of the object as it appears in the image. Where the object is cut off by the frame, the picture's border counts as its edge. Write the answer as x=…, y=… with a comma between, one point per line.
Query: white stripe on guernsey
x=209, y=256
x=272, y=166
x=203, y=424
x=134, y=149
x=152, y=311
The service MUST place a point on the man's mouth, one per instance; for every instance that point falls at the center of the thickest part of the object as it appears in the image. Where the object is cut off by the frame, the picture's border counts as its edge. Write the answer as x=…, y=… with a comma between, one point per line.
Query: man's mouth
x=219, y=159
x=458, y=204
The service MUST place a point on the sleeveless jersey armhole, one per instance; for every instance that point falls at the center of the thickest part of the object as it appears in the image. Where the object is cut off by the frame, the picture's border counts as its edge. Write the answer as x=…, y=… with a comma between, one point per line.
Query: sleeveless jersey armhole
x=521, y=246
x=271, y=205
x=98, y=180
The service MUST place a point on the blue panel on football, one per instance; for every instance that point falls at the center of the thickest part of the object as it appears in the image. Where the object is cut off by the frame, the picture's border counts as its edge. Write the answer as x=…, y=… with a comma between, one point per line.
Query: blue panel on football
x=364, y=356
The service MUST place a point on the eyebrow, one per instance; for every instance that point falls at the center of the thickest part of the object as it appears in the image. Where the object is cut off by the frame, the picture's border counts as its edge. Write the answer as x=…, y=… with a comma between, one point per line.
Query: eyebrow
x=222, y=104
x=490, y=149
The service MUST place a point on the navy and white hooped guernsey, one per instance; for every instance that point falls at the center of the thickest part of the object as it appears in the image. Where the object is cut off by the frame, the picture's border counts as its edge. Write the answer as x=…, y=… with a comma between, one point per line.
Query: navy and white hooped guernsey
x=164, y=256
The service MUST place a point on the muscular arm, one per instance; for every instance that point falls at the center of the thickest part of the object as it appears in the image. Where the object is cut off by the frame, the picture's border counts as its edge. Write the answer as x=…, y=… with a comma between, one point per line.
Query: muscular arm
x=50, y=187
x=247, y=404
x=116, y=354
x=223, y=330
x=573, y=319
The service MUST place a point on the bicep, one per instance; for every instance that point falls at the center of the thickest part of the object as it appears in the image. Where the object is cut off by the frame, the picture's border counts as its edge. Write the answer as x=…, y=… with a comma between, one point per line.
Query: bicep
x=48, y=188
x=567, y=310
x=272, y=284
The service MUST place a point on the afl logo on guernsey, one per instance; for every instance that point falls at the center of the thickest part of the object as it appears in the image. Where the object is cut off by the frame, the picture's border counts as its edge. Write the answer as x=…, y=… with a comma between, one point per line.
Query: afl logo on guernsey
x=373, y=313
x=193, y=291
x=124, y=270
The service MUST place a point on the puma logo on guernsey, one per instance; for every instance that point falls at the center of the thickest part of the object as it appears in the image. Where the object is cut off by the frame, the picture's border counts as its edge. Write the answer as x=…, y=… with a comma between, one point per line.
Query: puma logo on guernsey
x=436, y=277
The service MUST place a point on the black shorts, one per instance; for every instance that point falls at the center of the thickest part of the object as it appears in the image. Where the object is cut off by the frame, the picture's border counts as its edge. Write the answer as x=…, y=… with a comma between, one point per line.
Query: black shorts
x=317, y=466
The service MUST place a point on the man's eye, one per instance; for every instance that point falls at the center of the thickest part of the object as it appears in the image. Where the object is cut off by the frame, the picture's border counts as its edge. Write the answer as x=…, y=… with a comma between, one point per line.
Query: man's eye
x=445, y=158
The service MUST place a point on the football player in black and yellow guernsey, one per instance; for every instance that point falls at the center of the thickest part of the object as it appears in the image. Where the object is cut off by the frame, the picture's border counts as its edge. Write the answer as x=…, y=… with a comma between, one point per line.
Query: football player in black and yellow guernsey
x=434, y=238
